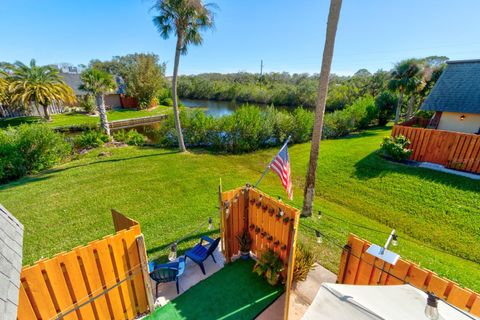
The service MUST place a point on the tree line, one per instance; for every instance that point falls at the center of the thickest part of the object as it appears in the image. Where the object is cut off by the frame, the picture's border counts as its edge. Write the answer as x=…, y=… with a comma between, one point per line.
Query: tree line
x=409, y=81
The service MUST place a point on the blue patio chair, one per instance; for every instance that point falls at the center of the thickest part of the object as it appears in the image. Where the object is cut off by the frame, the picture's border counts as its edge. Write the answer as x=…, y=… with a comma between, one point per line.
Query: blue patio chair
x=200, y=253
x=161, y=273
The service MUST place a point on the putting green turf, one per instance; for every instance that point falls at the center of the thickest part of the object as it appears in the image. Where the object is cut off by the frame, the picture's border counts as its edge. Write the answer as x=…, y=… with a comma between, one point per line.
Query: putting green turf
x=234, y=292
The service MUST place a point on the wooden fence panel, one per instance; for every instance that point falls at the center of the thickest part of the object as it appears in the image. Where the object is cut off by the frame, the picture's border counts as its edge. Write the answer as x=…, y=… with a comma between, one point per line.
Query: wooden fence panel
x=102, y=280
x=357, y=266
x=259, y=215
x=456, y=150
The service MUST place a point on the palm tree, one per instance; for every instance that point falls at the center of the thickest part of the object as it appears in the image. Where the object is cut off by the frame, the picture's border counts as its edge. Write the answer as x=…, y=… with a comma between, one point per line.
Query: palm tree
x=405, y=76
x=98, y=83
x=40, y=85
x=309, y=191
x=184, y=18
x=3, y=88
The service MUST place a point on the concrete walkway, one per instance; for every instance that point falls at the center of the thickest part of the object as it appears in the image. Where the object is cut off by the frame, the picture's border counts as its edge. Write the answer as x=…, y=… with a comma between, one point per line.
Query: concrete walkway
x=191, y=276
x=302, y=296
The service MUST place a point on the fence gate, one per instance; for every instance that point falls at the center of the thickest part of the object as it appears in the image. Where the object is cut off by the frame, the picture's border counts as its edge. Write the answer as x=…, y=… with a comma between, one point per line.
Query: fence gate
x=102, y=280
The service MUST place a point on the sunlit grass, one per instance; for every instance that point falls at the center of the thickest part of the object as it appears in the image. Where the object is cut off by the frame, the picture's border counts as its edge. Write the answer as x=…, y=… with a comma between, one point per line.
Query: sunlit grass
x=171, y=194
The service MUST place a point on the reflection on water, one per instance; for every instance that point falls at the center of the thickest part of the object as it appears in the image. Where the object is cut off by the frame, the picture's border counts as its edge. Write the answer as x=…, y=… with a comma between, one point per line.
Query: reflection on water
x=214, y=108
x=151, y=131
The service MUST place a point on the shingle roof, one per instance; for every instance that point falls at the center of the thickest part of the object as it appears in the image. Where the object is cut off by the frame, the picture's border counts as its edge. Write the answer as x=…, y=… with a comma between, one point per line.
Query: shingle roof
x=11, y=242
x=74, y=81
x=457, y=89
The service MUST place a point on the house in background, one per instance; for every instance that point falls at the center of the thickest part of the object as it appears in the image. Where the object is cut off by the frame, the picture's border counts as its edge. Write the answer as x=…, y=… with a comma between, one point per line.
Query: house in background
x=451, y=138
x=455, y=98
x=112, y=100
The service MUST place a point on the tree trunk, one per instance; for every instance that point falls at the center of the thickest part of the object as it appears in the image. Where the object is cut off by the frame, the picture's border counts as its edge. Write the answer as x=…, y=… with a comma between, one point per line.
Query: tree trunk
x=309, y=191
x=103, y=114
x=399, y=107
x=46, y=114
x=411, y=103
x=176, y=114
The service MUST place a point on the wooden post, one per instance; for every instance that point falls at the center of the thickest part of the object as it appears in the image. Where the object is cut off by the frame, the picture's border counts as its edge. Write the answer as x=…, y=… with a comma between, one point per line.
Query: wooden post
x=291, y=265
x=343, y=263
x=142, y=253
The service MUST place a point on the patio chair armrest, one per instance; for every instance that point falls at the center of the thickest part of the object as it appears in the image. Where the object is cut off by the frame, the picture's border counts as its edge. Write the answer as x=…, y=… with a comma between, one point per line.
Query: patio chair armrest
x=206, y=238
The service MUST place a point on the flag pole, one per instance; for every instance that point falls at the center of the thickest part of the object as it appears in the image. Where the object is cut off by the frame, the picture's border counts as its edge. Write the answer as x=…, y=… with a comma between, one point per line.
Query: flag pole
x=268, y=167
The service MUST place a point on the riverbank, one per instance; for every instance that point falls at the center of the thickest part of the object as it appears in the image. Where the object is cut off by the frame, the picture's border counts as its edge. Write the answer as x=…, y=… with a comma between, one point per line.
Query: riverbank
x=75, y=119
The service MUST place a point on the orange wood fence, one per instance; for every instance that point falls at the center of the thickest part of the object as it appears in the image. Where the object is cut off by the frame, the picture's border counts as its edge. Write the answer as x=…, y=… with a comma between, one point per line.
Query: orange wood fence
x=102, y=280
x=460, y=151
x=271, y=223
x=359, y=267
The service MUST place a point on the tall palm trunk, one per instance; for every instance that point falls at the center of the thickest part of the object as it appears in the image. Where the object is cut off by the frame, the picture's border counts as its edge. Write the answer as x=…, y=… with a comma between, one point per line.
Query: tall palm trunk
x=309, y=191
x=176, y=114
x=46, y=114
x=103, y=113
x=399, y=107
x=411, y=103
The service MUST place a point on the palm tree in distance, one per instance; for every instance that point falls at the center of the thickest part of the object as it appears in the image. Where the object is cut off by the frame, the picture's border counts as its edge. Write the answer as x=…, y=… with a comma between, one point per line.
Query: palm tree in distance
x=185, y=19
x=98, y=83
x=332, y=23
x=40, y=85
x=405, y=77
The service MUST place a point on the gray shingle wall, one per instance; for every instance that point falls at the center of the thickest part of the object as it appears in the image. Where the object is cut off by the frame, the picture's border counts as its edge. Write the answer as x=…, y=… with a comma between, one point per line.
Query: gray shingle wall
x=11, y=241
x=457, y=89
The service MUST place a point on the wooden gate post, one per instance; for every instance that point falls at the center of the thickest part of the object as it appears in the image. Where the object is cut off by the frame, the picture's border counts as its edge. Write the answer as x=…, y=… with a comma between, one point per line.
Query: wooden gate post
x=142, y=253
x=291, y=265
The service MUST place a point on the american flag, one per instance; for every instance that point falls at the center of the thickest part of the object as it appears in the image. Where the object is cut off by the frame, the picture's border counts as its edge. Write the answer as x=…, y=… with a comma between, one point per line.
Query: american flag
x=281, y=165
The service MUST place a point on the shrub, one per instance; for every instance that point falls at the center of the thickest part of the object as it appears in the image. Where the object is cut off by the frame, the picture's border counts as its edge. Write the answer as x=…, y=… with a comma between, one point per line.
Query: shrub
x=270, y=266
x=30, y=148
x=304, y=262
x=167, y=102
x=362, y=112
x=130, y=137
x=386, y=103
x=90, y=139
x=88, y=104
x=395, y=148
x=337, y=124
x=302, y=125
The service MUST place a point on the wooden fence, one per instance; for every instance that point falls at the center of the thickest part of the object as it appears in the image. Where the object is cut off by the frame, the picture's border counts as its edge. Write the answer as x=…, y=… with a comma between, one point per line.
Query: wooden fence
x=105, y=279
x=271, y=223
x=359, y=267
x=460, y=151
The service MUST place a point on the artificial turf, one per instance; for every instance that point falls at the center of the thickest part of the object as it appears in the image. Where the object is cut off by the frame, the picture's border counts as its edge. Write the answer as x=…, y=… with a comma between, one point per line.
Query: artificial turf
x=234, y=292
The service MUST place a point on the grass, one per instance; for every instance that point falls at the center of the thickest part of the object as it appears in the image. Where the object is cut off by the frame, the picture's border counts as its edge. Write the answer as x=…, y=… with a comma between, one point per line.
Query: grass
x=171, y=194
x=234, y=292
x=79, y=119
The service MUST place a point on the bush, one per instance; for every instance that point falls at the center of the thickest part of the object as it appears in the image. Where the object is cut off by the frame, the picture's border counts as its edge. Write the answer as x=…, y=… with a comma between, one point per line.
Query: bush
x=304, y=262
x=337, y=124
x=167, y=102
x=30, y=148
x=362, y=112
x=395, y=148
x=386, y=103
x=90, y=139
x=88, y=104
x=130, y=137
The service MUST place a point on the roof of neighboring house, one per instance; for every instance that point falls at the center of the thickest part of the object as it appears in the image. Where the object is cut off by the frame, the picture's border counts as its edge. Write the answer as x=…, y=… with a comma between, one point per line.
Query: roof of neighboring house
x=457, y=89
x=74, y=81
x=11, y=242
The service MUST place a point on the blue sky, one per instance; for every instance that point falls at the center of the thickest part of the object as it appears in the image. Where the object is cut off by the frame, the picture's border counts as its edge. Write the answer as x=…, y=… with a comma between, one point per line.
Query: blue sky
x=288, y=35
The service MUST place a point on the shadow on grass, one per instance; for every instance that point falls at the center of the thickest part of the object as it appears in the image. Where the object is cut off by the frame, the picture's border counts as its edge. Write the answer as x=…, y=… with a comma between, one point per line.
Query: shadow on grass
x=49, y=173
x=163, y=257
x=4, y=123
x=373, y=166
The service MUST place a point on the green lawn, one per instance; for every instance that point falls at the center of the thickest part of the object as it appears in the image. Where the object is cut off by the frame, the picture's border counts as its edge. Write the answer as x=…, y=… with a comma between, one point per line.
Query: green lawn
x=436, y=214
x=78, y=119
x=234, y=292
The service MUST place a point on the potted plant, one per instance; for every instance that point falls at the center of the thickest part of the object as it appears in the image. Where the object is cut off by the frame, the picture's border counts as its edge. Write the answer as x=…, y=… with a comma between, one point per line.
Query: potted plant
x=270, y=266
x=244, y=241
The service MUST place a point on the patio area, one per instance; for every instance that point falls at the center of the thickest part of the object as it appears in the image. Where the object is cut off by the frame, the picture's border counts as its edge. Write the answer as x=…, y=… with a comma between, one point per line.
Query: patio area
x=232, y=291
